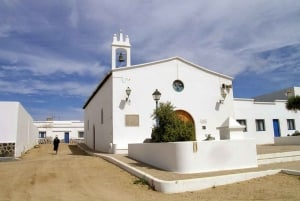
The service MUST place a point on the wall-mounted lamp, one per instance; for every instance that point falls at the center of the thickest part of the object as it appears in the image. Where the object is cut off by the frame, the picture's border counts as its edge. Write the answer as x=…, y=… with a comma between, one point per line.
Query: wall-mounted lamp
x=128, y=91
x=226, y=86
x=223, y=90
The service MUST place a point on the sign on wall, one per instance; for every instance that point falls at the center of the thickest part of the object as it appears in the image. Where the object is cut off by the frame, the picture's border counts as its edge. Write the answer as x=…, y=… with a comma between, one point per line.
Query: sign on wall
x=132, y=120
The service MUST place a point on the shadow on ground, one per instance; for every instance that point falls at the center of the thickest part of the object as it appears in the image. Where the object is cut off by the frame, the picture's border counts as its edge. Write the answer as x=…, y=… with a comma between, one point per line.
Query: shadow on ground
x=135, y=163
x=76, y=151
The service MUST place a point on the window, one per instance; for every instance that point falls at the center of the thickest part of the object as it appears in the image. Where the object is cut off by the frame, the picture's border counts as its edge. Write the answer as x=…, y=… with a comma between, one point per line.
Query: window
x=243, y=123
x=80, y=134
x=42, y=134
x=101, y=115
x=260, y=124
x=291, y=124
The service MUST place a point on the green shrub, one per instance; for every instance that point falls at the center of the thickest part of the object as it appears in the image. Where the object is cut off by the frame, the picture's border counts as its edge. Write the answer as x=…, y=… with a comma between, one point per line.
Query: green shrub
x=293, y=103
x=170, y=127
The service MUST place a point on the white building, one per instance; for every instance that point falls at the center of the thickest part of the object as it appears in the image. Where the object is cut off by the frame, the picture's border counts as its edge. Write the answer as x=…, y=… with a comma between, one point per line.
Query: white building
x=67, y=131
x=266, y=116
x=119, y=110
x=17, y=132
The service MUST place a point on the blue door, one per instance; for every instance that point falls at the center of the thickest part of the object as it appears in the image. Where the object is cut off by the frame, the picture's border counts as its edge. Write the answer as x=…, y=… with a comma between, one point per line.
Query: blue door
x=276, y=127
x=67, y=139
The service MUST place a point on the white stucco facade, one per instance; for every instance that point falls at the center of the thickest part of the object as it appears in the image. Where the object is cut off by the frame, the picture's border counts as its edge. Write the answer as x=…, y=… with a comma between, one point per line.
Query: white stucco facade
x=107, y=109
x=251, y=111
x=113, y=120
x=65, y=130
x=17, y=127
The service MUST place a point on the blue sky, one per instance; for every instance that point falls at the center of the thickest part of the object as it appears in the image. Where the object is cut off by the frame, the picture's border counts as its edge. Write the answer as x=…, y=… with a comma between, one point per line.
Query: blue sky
x=54, y=53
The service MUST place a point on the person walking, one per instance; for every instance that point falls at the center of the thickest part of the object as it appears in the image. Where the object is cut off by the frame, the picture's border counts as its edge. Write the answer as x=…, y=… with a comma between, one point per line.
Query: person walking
x=56, y=142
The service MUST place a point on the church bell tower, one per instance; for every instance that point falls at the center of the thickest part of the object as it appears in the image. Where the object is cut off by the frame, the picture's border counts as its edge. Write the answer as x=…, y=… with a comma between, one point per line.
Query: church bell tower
x=120, y=48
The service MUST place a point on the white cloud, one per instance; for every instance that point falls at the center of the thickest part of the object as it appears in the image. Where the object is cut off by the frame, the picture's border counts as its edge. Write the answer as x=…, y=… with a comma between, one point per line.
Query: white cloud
x=27, y=86
x=74, y=38
x=47, y=63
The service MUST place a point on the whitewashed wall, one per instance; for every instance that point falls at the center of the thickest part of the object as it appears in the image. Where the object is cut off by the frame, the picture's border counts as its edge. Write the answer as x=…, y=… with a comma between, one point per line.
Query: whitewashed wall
x=250, y=110
x=26, y=132
x=196, y=157
x=8, y=119
x=17, y=127
x=92, y=119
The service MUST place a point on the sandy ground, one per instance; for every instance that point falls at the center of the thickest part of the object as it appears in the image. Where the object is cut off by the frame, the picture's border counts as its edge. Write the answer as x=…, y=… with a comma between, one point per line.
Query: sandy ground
x=72, y=175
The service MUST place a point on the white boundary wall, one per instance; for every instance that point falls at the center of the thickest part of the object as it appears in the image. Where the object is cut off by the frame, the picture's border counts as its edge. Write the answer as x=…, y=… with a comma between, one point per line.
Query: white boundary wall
x=26, y=132
x=17, y=127
x=197, y=156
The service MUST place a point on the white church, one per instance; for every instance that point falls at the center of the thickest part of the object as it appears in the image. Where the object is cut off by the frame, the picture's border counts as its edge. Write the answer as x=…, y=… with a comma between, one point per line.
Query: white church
x=119, y=110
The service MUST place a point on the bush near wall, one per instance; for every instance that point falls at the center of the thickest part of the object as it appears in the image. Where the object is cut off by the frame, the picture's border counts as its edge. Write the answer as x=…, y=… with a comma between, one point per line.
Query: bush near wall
x=293, y=103
x=170, y=127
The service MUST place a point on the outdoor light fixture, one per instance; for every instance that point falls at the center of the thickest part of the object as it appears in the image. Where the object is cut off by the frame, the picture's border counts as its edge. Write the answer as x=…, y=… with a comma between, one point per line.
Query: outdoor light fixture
x=223, y=90
x=128, y=91
x=156, y=96
x=228, y=86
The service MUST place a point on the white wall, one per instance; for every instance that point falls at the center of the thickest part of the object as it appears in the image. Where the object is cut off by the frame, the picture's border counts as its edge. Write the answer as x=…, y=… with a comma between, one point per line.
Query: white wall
x=17, y=127
x=250, y=110
x=199, y=98
x=92, y=118
x=8, y=121
x=26, y=132
x=196, y=157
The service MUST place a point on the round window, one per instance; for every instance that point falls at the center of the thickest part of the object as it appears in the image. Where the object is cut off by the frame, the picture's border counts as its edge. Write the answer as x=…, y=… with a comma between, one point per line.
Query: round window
x=178, y=85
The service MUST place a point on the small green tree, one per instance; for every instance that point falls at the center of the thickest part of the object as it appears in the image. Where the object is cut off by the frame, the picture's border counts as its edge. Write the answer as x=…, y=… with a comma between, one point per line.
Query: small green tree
x=293, y=103
x=170, y=127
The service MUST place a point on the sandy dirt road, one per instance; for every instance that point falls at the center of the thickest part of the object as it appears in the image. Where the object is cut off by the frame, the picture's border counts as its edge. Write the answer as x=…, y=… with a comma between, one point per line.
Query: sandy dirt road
x=72, y=175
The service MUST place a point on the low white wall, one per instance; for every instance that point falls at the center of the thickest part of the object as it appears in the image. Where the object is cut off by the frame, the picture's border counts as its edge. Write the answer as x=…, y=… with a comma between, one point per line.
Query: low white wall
x=198, y=156
x=16, y=127
x=27, y=132
x=8, y=121
x=290, y=140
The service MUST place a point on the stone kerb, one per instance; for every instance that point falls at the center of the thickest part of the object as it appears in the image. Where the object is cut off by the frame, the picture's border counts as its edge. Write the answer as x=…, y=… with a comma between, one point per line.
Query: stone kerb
x=196, y=156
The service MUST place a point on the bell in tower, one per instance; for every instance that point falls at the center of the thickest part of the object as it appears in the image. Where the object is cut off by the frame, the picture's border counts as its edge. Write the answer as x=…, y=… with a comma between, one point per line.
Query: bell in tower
x=121, y=57
x=120, y=51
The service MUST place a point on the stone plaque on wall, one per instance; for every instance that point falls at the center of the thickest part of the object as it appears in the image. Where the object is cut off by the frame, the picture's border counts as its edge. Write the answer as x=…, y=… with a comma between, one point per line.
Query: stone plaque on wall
x=132, y=120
